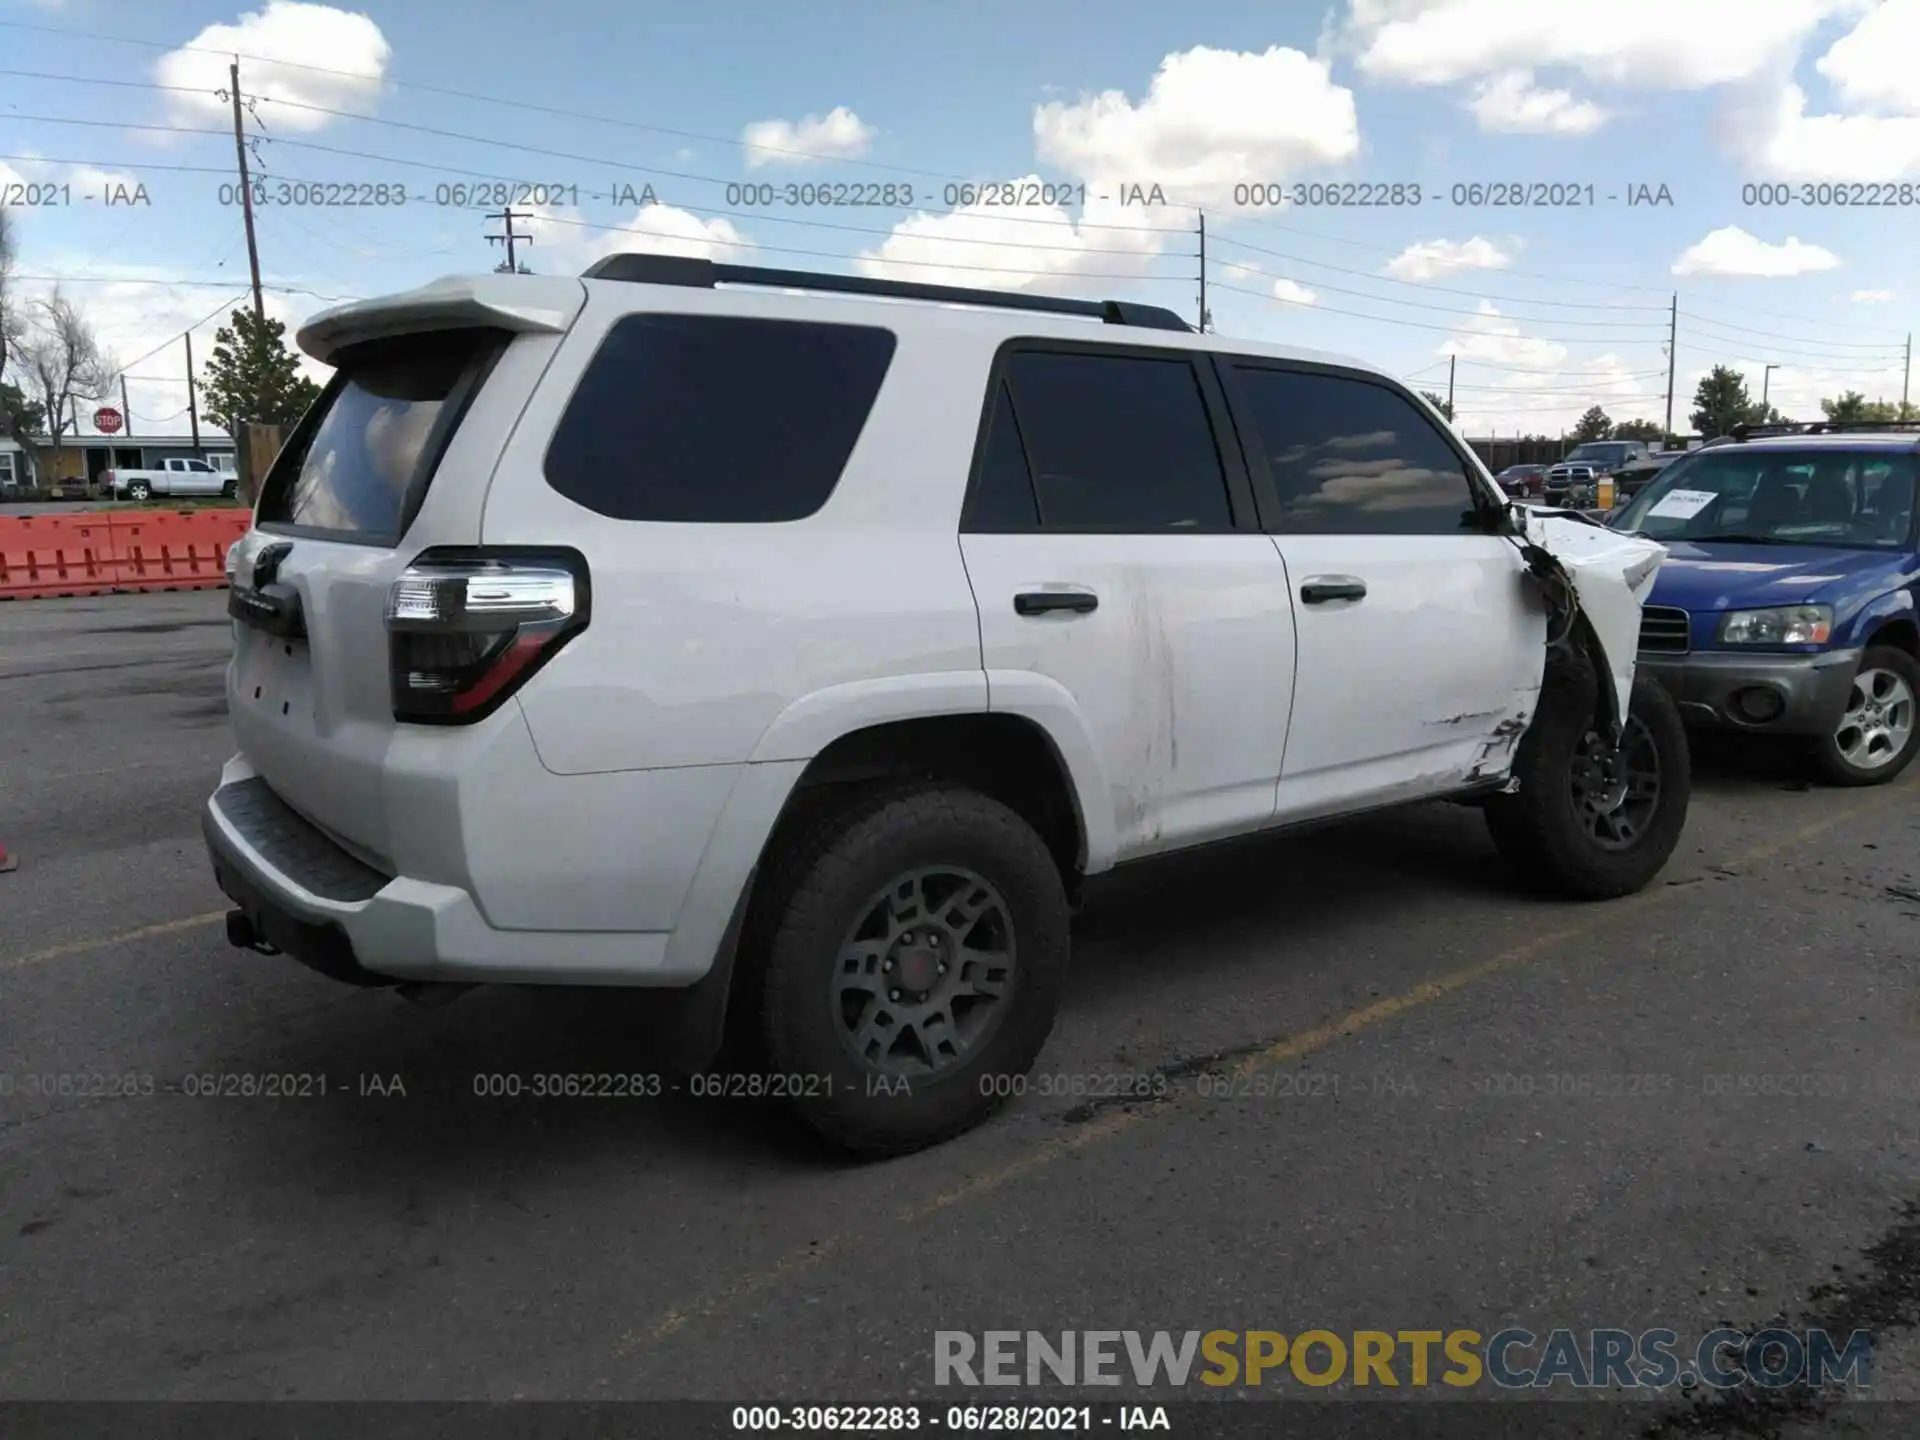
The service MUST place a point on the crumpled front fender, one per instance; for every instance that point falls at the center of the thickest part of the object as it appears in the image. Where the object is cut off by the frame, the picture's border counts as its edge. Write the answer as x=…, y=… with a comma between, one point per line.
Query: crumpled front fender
x=1610, y=575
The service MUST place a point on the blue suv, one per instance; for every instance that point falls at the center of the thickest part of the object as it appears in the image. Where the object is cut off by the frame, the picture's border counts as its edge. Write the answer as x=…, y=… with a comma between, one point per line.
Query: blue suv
x=1787, y=602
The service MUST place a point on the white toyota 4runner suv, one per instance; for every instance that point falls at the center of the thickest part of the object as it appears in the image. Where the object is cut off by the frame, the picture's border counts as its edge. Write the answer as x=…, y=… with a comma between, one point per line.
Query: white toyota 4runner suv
x=799, y=643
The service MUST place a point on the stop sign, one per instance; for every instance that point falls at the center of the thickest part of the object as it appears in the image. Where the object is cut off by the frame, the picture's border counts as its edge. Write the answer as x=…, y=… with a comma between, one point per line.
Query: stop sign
x=107, y=420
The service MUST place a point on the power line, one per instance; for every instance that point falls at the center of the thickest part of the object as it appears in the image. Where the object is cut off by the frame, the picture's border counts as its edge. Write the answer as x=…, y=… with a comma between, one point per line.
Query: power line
x=1756, y=354
x=171, y=338
x=1418, y=325
x=426, y=89
x=117, y=165
x=1456, y=310
x=177, y=284
x=1400, y=250
x=118, y=125
x=1711, y=326
x=99, y=80
x=733, y=141
x=960, y=214
x=878, y=259
x=1428, y=285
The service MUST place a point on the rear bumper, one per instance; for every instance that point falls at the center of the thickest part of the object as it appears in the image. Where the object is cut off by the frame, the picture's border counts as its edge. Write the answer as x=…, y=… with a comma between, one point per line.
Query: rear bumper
x=1811, y=690
x=326, y=909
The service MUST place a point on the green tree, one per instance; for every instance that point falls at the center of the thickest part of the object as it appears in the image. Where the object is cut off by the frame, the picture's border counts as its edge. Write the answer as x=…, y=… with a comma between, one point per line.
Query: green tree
x=1721, y=402
x=1648, y=430
x=253, y=376
x=20, y=416
x=1852, y=406
x=1439, y=404
x=1849, y=405
x=1594, y=425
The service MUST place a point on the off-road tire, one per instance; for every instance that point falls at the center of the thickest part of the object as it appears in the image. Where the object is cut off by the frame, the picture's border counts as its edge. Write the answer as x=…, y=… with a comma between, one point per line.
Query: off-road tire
x=1834, y=767
x=1538, y=829
x=825, y=873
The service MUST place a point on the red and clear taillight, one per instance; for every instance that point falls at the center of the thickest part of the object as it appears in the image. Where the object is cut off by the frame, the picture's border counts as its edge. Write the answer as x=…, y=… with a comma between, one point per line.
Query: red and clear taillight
x=466, y=628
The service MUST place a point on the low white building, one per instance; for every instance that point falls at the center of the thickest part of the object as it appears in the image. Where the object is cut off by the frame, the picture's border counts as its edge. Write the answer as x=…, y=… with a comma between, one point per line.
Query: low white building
x=16, y=465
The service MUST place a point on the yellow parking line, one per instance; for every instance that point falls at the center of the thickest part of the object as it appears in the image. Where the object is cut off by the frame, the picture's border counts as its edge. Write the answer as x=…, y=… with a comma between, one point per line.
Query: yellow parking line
x=1287, y=1048
x=101, y=942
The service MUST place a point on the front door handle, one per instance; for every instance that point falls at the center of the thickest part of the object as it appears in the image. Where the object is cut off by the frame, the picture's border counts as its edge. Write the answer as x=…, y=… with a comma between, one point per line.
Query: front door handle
x=1319, y=589
x=1039, y=602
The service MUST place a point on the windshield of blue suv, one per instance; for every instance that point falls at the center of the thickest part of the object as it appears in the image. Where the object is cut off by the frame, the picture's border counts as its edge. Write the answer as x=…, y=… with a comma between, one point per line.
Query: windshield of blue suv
x=1851, y=498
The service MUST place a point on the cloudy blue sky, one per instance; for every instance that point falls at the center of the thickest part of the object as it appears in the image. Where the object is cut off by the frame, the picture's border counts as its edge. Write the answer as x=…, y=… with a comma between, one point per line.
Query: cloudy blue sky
x=1221, y=104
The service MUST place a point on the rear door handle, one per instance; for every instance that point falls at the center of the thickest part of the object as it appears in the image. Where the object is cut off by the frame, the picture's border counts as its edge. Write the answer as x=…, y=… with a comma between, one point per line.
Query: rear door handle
x=1039, y=602
x=1319, y=589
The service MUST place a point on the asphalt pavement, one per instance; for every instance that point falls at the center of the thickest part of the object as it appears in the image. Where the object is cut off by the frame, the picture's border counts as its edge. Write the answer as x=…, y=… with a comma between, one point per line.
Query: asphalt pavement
x=1441, y=1104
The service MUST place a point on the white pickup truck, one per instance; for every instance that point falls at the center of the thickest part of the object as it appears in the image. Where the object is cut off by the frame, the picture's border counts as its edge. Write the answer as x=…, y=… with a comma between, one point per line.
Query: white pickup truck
x=174, y=477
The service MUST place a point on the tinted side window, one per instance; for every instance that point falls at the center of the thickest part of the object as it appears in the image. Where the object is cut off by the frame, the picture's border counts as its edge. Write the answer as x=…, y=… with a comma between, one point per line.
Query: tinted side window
x=704, y=418
x=1353, y=458
x=1003, y=494
x=1118, y=443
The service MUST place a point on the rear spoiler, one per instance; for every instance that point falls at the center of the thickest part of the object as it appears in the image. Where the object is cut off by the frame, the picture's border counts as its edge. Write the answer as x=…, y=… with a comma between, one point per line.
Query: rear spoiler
x=520, y=303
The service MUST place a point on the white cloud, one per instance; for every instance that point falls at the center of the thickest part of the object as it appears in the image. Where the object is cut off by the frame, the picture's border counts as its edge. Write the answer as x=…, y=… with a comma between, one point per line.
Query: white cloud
x=1036, y=247
x=838, y=135
x=1871, y=296
x=1513, y=104
x=1293, y=292
x=88, y=182
x=1871, y=66
x=1661, y=44
x=565, y=244
x=1732, y=251
x=348, y=49
x=1429, y=258
x=100, y=184
x=1509, y=381
x=1780, y=141
x=1211, y=119
x=1489, y=337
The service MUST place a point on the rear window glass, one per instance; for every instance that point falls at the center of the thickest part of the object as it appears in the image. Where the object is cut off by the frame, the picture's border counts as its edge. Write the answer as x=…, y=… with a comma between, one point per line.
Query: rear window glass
x=706, y=418
x=359, y=464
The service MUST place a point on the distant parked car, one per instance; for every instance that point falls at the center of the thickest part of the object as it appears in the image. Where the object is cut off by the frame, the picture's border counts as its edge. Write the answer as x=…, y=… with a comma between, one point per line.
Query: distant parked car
x=1568, y=481
x=1607, y=456
x=1786, y=602
x=1522, y=480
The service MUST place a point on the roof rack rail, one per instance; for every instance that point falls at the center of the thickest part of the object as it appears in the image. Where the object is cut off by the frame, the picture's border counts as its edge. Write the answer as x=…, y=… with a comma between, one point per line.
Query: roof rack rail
x=1822, y=427
x=1751, y=432
x=1844, y=427
x=706, y=274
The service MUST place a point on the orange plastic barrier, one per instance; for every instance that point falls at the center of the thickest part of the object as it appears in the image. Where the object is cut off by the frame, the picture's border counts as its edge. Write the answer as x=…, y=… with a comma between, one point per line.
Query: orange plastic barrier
x=175, y=549
x=105, y=552
x=42, y=555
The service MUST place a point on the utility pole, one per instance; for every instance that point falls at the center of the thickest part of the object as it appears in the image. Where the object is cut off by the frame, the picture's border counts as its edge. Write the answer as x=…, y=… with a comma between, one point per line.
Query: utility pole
x=509, y=239
x=1906, y=374
x=246, y=191
x=126, y=410
x=193, y=400
x=1765, y=376
x=1673, y=354
x=1203, y=272
x=1450, y=360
